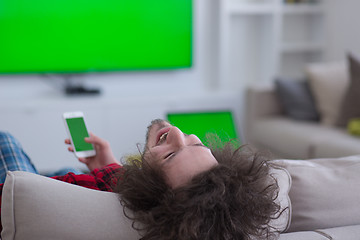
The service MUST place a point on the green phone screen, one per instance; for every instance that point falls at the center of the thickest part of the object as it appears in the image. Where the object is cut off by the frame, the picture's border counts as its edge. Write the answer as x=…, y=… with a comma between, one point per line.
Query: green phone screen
x=78, y=132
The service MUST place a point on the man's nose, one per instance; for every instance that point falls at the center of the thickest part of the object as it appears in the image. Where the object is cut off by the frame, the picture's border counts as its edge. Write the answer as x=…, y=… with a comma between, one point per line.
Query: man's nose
x=176, y=137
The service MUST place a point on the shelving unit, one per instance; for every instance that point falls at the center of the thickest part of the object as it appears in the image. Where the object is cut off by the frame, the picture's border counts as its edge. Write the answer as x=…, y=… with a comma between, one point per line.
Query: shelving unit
x=262, y=39
x=302, y=8
x=251, y=9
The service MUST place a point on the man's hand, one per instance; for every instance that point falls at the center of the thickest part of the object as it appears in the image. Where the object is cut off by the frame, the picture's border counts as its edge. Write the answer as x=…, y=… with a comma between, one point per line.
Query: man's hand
x=104, y=155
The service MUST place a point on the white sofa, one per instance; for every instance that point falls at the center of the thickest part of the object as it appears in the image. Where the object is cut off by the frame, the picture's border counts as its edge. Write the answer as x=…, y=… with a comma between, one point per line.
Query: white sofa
x=324, y=197
x=267, y=127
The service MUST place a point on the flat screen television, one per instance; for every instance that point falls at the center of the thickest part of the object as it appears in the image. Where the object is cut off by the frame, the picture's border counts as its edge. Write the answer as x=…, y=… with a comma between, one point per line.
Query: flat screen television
x=77, y=36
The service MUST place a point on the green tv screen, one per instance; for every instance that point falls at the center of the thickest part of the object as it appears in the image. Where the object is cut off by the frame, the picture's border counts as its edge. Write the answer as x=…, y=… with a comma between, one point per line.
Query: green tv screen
x=69, y=36
x=201, y=124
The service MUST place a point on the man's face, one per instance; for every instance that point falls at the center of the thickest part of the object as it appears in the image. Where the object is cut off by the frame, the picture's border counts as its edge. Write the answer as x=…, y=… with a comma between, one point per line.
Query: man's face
x=181, y=156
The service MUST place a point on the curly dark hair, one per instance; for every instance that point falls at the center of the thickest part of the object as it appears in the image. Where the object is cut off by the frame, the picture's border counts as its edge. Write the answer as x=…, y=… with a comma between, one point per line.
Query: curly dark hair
x=233, y=200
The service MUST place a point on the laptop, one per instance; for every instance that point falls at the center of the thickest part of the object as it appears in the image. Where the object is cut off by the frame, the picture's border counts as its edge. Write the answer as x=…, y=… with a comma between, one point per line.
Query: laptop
x=201, y=124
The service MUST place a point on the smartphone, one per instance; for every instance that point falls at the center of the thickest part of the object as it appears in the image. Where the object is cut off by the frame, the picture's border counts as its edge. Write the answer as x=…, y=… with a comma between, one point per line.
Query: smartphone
x=77, y=131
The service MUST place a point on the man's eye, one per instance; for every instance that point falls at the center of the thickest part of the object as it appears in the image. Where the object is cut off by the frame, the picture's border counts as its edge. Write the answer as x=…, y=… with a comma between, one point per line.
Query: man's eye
x=169, y=155
x=162, y=138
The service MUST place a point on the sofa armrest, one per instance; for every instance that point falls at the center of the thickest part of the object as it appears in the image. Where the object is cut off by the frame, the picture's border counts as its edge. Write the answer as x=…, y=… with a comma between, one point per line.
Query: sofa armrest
x=324, y=193
x=261, y=101
x=37, y=207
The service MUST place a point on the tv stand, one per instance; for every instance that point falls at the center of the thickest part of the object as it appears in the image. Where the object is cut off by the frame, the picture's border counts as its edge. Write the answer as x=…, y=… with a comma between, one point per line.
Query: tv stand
x=81, y=90
x=76, y=89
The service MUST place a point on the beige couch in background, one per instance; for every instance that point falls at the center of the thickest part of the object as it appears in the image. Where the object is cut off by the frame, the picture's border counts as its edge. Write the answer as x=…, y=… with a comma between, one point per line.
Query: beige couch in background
x=267, y=127
x=281, y=117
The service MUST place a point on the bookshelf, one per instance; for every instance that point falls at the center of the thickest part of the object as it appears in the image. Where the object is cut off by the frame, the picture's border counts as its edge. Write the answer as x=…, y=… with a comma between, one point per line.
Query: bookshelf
x=262, y=39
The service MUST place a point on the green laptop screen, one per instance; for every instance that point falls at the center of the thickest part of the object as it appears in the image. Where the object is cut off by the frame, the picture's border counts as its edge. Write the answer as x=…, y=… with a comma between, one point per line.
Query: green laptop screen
x=203, y=123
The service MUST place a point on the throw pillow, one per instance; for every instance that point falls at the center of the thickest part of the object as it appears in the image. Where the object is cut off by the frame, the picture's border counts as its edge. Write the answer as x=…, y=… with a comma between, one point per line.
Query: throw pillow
x=350, y=107
x=353, y=127
x=297, y=99
x=328, y=83
x=325, y=193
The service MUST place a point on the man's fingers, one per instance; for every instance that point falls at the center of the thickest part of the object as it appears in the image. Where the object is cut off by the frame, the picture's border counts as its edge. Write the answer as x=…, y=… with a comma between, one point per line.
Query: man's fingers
x=67, y=141
x=83, y=160
x=71, y=149
x=95, y=140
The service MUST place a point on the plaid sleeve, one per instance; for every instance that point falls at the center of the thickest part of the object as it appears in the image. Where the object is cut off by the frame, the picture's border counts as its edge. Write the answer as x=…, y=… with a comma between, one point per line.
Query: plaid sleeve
x=1, y=188
x=103, y=179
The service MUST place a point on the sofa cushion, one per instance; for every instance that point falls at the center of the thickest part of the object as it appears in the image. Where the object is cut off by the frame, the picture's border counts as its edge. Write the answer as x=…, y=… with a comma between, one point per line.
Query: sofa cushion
x=350, y=105
x=285, y=137
x=328, y=82
x=338, y=233
x=37, y=207
x=296, y=98
x=342, y=233
x=325, y=193
x=336, y=143
x=306, y=235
